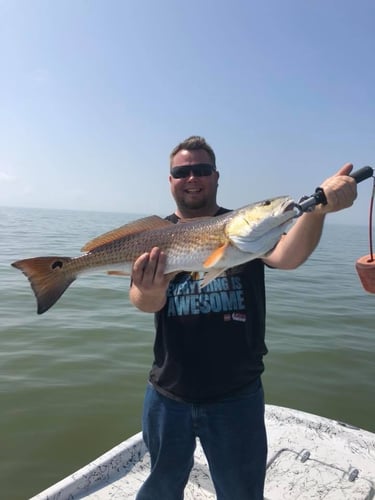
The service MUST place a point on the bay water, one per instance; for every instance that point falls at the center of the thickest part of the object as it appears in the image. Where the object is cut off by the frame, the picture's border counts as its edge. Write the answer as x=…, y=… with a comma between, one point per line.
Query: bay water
x=72, y=380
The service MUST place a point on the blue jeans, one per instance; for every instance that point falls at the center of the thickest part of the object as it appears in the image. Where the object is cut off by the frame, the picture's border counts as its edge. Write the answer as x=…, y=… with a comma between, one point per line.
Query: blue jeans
x=232, y=434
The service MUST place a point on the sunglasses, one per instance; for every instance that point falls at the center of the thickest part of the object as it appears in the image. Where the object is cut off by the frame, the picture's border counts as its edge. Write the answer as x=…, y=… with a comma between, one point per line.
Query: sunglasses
x=199, y=170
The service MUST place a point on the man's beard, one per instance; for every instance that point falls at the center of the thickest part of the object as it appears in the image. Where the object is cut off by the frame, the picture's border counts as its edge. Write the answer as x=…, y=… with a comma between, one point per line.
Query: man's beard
x=192, y=204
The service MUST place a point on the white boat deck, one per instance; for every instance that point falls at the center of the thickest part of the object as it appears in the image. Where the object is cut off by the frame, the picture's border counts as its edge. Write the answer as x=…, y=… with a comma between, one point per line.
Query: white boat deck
x=309, y=458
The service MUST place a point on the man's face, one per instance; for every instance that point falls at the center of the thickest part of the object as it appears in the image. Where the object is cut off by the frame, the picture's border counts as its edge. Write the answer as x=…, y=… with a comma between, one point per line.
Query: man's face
x=194, y=193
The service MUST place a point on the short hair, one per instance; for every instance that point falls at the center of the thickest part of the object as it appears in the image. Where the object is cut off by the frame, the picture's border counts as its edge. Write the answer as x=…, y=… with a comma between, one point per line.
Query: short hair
x=192, y=143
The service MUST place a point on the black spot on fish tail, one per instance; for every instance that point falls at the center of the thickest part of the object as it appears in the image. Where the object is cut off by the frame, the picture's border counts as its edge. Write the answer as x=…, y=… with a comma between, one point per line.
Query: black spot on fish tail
x=57, y=264
x=47, y=277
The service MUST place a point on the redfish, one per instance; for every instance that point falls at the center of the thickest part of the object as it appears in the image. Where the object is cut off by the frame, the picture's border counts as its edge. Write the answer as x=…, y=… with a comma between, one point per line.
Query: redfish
x=210, y=245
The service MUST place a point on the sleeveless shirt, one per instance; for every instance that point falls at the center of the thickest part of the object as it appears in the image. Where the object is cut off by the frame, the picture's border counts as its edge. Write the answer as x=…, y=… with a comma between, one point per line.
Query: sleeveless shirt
x=209, y=342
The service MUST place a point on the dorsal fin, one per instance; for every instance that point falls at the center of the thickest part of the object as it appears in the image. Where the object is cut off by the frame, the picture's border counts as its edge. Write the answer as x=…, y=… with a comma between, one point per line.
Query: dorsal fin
x=137, y=226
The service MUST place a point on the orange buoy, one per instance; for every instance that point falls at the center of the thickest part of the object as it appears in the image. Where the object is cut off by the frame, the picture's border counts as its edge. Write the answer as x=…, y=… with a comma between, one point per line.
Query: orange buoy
x=365, y=267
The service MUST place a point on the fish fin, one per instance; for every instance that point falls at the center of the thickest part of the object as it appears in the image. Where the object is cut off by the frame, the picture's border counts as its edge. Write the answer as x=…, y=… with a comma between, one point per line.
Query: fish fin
x=210, y=276
x=215, y=256
x=195, y=275
x=137, y=226
x=47, y=277
x=117, y=273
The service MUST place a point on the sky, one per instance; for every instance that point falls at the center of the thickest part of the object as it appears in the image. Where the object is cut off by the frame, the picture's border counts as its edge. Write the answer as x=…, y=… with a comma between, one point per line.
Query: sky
x=95, y=94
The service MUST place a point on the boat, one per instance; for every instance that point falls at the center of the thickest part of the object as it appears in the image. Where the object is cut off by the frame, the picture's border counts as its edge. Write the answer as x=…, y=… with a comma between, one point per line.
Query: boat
x=309, y=457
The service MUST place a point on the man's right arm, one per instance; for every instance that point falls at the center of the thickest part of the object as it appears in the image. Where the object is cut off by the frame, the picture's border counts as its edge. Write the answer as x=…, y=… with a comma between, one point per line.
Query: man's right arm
x=149, y=283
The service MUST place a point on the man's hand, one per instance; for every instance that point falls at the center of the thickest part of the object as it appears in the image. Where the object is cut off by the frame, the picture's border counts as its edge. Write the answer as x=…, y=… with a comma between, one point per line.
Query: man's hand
x=148, y=270
x=340, y=191
x=149, y=283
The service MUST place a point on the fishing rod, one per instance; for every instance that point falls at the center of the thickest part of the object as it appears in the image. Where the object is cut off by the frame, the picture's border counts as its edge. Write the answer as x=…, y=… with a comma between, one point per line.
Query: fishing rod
x=308, y=203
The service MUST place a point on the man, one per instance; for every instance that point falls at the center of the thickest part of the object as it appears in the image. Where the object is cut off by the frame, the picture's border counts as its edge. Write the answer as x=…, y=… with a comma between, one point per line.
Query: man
x=205, y=379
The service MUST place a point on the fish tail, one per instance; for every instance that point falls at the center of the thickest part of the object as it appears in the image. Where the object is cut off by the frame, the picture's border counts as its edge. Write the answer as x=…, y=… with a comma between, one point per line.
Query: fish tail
x=48, y=278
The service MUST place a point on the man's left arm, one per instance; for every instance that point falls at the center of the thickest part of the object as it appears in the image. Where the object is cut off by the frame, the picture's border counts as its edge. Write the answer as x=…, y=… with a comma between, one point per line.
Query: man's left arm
x=297, y=245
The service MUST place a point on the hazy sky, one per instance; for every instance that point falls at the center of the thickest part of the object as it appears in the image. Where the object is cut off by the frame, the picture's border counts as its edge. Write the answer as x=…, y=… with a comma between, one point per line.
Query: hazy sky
x=95, y=94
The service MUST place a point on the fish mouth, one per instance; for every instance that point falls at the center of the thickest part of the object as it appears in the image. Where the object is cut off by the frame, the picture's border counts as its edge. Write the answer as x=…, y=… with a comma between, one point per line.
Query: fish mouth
x=288, y=211
x=289, y=206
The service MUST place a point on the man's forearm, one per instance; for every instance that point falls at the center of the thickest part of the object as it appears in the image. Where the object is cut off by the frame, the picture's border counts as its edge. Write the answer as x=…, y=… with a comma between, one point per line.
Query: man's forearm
x=295, y=247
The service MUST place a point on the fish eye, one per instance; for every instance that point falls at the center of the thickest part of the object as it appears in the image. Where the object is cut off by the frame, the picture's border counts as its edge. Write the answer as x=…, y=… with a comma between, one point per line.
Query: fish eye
x=266, y=203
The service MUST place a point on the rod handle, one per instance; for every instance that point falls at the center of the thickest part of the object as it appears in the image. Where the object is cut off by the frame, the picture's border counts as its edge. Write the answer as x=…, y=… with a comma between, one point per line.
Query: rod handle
x=358, y=175
x=307, y=203
x=362, y=174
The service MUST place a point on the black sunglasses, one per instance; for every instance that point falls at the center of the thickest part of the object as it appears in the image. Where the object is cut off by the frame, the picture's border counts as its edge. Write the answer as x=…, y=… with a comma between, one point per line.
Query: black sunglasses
x=199, y=170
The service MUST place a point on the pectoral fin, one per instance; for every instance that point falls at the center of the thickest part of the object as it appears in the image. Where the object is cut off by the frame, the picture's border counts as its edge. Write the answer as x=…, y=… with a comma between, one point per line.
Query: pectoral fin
x=215, y=256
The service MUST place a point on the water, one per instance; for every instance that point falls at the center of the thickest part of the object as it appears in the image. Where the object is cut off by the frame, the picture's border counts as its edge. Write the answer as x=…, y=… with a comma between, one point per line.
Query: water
x=72, y=380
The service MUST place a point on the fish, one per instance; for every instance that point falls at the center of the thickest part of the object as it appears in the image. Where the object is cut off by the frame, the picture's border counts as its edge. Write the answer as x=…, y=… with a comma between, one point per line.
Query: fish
x=208, y=246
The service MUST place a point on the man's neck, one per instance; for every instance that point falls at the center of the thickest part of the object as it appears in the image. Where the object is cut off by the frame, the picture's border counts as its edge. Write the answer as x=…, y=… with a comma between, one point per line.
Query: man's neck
x=202, y=212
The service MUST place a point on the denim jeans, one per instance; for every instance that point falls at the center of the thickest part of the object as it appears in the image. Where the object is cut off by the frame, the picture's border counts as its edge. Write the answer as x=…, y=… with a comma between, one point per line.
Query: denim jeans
x=232, y=434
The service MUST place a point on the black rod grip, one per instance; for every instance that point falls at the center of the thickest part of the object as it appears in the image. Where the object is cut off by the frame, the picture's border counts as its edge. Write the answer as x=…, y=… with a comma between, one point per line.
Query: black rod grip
x=306, y=205
x=362, y=174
